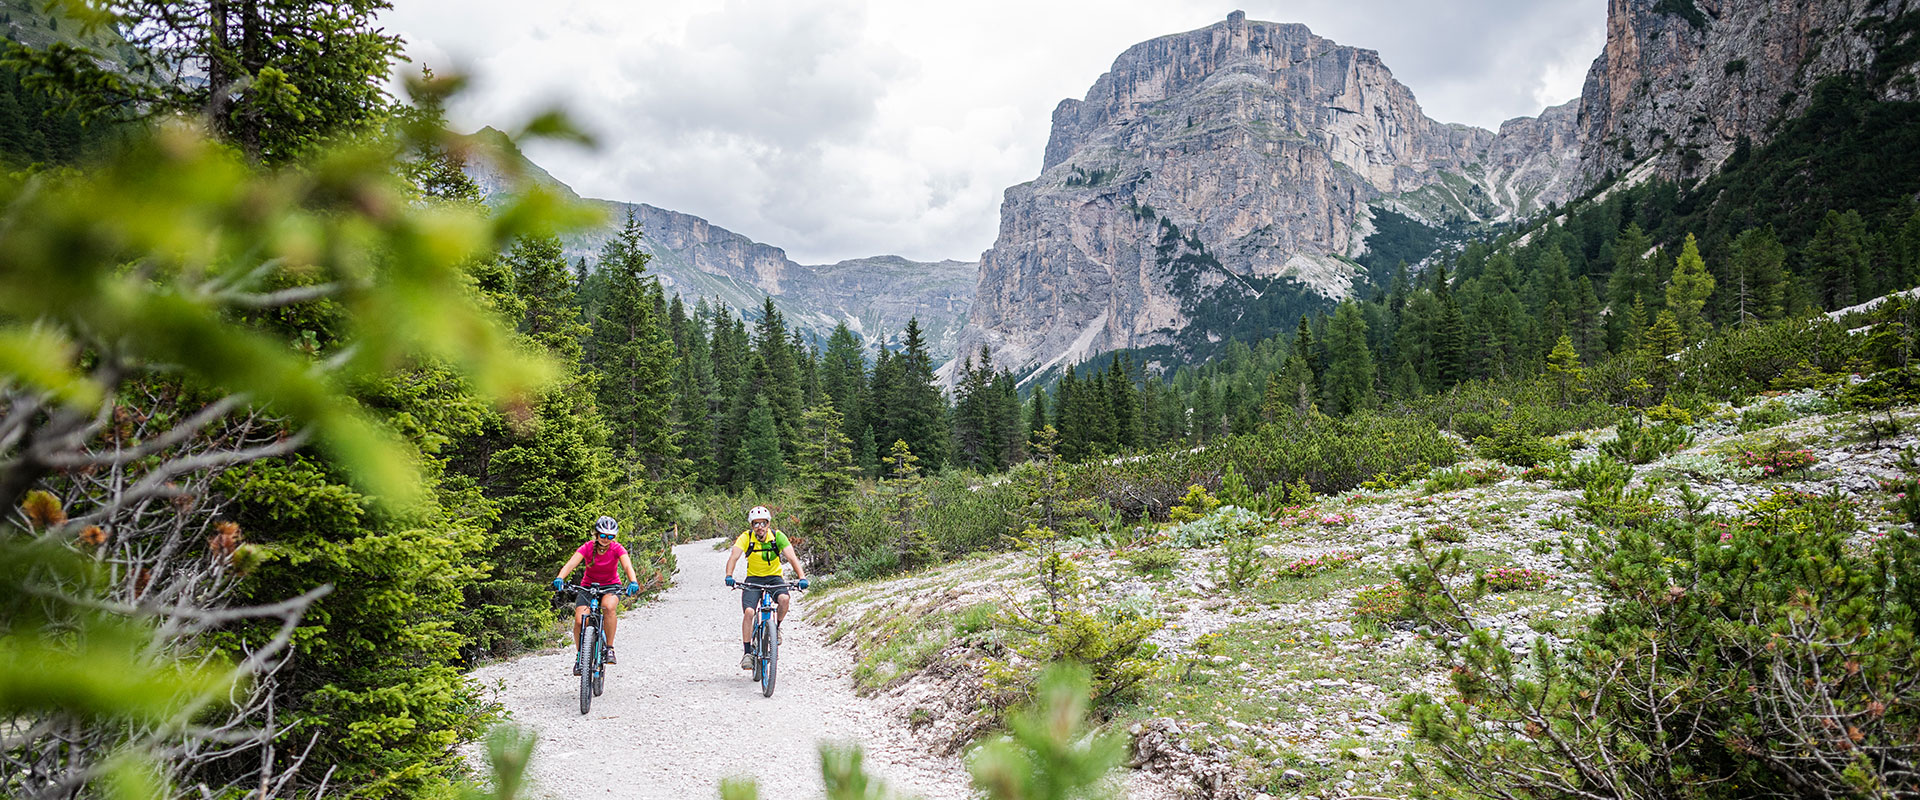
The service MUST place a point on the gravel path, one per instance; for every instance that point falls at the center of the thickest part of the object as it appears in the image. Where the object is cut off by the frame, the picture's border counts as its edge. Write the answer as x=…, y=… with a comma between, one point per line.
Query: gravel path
x=670, y=723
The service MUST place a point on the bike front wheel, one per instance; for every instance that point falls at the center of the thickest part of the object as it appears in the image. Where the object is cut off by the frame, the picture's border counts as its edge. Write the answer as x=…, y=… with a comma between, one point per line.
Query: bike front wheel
x=589, y=665
x=771, y=662
x=759, y=650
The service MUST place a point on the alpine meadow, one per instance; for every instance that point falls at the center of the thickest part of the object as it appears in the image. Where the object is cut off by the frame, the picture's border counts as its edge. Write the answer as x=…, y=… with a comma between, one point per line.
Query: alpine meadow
x=1283, y=442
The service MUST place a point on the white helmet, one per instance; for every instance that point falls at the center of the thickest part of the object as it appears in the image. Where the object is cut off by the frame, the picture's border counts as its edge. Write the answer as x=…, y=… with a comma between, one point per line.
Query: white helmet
x=759, y=513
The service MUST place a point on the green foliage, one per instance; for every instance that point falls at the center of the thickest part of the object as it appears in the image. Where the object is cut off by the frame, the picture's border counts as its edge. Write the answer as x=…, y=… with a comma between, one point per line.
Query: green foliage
x=1447, y=534
x=1454, y=479
x=1776, y=458
x=1514, y=579
x=1513, y=445
x=1195, y=505
x=1382, y=603
x=1314, y=565
x=1050, y=754
x=1727, y=628
x=1635, y=443
x=1154, y=560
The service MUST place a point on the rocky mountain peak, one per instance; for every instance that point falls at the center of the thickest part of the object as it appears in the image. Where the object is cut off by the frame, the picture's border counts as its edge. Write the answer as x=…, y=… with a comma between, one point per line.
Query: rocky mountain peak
x=1217, y=182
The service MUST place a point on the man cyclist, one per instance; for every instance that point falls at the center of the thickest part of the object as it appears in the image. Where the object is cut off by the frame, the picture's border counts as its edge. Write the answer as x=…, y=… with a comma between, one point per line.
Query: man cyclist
x=764, y=548
x=601, y=553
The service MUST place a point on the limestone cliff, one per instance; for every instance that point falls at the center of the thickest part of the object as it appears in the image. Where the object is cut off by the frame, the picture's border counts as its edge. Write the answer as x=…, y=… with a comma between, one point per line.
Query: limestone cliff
x=1215, y=183
x=1682, y=81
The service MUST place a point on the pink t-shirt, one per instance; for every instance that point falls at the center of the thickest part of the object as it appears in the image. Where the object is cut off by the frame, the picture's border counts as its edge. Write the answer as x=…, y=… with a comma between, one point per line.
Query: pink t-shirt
x=602, y=568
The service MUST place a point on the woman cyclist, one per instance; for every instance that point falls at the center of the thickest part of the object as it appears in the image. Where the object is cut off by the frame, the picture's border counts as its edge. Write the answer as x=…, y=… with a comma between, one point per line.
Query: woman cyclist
x=601, y=553
x=764, y=548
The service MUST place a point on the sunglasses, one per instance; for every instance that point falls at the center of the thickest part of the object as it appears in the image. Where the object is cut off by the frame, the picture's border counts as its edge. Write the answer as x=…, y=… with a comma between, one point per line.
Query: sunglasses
x=608, y=535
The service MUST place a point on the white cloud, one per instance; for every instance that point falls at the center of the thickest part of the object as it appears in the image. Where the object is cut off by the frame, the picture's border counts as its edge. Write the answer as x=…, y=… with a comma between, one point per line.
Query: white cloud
x=846, y=128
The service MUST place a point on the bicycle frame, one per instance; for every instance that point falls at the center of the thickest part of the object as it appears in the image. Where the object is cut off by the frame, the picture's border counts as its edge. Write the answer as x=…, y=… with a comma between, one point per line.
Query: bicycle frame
x=766, y=634
x=590, y=647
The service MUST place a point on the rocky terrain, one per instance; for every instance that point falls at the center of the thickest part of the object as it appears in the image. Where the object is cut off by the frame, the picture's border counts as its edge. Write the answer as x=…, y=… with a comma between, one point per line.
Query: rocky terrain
x=873, y=296
x=1280, y=687
x=1682, y=81
x=1233, y=166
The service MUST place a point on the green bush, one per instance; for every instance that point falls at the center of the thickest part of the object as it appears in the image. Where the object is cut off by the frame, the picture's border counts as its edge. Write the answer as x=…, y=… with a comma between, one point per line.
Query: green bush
x=1635, y=443
x=1450, y=534
x=1154, y=560
x=1314, y=565
x=1462, y=477
x=1382, y=603
x=1785, y=643
x=1512, y=444
x=1514, y=579
x=1765, y=415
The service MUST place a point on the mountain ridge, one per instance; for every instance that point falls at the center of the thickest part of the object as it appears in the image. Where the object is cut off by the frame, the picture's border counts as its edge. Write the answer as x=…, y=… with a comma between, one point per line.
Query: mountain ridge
x=700, y=259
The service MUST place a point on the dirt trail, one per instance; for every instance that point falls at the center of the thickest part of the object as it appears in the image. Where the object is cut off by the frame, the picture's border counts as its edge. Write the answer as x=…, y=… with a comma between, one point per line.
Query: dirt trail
x=679, y=714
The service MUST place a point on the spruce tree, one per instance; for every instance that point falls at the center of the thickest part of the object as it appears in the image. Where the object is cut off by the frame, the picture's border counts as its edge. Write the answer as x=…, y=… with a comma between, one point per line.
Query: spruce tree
x=1757, y=269
x=759, y=463
x=782, y=387
x=1632, y=281
x=919, y=410
x=1123, y=402
x=1687, y=291
x=905, y=497
x=1563, y=367
x=827, y=471
x=843, y=377
x=1350, y=374
x=634, y=357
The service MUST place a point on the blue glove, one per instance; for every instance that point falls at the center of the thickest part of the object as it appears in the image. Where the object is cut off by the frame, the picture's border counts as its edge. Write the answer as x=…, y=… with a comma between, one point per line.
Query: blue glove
x=729, y=580
x=559, y=584
x=633, y=589
x=803, y=583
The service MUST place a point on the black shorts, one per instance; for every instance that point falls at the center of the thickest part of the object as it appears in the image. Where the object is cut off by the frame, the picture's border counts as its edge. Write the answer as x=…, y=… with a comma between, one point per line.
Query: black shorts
x=750, y=596
x=584, y=597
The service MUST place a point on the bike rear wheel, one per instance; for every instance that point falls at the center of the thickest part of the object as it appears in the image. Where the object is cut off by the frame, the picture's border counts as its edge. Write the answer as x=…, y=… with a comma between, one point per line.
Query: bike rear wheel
x=589, y=664
x=771, y=662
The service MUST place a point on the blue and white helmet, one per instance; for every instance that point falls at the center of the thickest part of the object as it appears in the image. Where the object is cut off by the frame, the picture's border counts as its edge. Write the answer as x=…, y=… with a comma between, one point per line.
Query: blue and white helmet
x=606, y=525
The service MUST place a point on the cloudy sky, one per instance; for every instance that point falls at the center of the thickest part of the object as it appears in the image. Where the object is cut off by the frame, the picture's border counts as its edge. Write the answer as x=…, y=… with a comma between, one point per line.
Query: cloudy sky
x=846, y=128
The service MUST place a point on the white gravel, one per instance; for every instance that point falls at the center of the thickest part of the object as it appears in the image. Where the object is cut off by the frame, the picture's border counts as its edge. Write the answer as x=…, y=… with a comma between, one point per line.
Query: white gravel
x=679, y=714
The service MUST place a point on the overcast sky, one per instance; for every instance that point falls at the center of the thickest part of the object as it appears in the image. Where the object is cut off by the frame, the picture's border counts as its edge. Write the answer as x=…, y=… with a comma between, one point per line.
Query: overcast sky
x=847, y=128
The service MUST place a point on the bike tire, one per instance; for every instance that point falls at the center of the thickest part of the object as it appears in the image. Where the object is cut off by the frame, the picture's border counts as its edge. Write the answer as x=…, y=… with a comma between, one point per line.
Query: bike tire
x=759, y=649
x=772, y=661
x=589, y=652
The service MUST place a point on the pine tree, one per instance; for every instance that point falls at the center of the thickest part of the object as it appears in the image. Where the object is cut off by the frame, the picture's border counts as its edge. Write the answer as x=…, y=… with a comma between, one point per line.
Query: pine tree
x=1563, y=367
x=1662, y=340
x=827, y=472
x=1350, y=375
x=1631, y=282
x=782, y=386
x=1037, y=417
x=1123, y=404
x=634, y=357
x=919, y=410
x=759, y=463
x=1687, y=291
x=1757, y=268
x=906, y=501
x=843, y=377
x=550, y=317
x=974, y=445
x=1836, y=261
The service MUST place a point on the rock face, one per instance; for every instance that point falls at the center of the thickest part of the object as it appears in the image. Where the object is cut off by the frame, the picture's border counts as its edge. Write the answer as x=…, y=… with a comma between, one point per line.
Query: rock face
x=1227, y=168
x=1681, y=81
x=874, y=296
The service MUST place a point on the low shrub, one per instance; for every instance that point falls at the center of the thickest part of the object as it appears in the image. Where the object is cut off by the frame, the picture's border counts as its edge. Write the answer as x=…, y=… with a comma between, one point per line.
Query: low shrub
x=1589, y=472
x=1214, y=529
x=1514, y=579
x=1154, y=560
x=1667, y=412
x=1512, y=444
x=1451, y=534
x=1383, y=603
x=1636, y=443
x=1706, y=466
x=1776, y=459
x=1765, y=415
x=1314, y=565
x=1463, y=477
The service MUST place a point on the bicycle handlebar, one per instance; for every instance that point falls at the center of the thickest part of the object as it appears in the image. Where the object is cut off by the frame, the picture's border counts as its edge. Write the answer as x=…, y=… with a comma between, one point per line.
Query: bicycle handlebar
x=743, y=585
x=604, y=588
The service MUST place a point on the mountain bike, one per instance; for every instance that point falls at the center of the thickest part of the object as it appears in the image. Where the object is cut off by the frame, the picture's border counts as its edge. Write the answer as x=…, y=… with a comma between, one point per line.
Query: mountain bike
x=591, y=654
x=766, y=634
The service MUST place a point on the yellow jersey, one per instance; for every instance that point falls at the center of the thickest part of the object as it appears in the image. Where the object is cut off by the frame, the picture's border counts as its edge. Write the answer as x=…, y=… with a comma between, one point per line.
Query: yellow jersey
x=763, y=558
